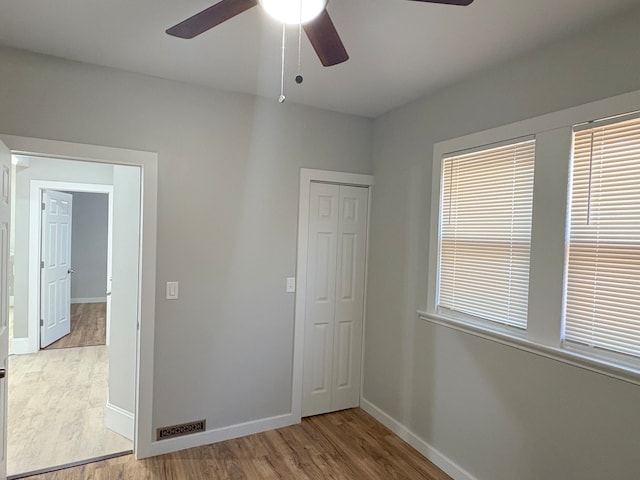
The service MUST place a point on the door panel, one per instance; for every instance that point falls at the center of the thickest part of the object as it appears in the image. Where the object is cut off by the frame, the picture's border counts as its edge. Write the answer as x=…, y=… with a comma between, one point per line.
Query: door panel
x=55, y=304
x=347, y=267
x=324, y=247
x=349, y=311
x=320, y=384
x=320, y=308
x=344, y=366
x=335, y=297
x=5, y=212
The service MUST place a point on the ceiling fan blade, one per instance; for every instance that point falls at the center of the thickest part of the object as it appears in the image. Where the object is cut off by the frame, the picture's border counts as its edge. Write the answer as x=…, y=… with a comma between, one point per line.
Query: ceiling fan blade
x=326, y=42
x=209, y=18
x=462, y=3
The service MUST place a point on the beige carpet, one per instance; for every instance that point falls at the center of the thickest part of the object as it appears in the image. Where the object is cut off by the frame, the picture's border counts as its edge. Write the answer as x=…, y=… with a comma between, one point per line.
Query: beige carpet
x=56, y=409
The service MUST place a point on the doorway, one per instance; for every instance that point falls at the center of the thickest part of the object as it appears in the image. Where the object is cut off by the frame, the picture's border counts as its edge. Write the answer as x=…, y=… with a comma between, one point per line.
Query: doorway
x=147, y=162
x=94, y=229
x=333, y=228
x=87, y=415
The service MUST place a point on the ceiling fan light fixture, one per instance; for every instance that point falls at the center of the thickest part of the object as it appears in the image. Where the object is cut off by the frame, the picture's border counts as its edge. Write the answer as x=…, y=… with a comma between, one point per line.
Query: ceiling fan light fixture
x=294, y=12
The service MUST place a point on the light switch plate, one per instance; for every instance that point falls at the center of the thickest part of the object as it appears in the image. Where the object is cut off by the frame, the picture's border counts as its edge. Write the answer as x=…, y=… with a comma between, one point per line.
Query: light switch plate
x=291, y=284
x=172, y=290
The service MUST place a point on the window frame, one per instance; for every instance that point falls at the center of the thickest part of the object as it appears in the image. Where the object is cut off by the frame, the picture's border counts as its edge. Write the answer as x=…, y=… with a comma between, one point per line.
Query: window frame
x=543, y=336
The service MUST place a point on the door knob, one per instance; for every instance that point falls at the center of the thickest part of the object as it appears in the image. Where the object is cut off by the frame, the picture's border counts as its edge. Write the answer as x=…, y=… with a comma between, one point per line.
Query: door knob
x=3, y=373
x=71, y=271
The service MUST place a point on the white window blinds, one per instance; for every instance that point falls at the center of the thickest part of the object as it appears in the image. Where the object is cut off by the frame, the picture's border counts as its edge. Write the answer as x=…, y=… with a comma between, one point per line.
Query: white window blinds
x=602, y=305
x=485, y=232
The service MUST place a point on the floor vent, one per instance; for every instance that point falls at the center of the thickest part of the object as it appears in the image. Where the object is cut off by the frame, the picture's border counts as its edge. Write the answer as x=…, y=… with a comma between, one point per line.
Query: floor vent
x=163, y=433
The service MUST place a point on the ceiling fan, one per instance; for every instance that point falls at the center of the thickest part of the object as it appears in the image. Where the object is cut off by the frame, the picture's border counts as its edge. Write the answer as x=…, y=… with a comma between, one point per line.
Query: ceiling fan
x=312, y=14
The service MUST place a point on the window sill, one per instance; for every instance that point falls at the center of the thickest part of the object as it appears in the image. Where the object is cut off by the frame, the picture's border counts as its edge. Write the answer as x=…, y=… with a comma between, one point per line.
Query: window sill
x=573, y=357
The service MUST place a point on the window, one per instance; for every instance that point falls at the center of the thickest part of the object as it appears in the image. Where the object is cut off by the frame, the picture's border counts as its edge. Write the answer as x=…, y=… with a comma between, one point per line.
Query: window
x=486, y=231
x=603, y=273
x=535, y=236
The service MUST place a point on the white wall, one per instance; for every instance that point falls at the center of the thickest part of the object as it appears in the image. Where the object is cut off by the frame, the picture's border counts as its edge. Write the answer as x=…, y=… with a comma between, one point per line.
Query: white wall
x=499, y=413
x=227, y=214
x=89, y=246
x=42, y=169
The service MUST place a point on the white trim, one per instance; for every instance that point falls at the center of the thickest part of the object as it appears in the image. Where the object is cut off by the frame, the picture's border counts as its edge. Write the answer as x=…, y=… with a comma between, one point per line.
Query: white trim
x=307, y=176
x=107, y=287
x=432, y=454
x=119, y=420
x=148, y=162
x=89, y=300
x=366, y=286
x=11, y=300
x=35, y=235
x=20, y=346
x=223, y=433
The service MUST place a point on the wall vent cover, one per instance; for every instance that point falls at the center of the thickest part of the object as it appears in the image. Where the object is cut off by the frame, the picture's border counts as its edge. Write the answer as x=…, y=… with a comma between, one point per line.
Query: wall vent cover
x=163, y=433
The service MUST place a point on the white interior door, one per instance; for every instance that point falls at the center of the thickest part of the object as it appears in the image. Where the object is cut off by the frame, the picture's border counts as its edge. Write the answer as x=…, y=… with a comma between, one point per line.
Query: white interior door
x=320, y=308
x=349, y=311
x=55, y=272
x=5, y=212
x=335, y=297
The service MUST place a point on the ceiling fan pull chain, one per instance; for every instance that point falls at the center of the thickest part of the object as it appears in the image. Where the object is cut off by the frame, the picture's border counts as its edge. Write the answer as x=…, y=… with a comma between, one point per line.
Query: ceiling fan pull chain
x=282, y=97
x=299, y=75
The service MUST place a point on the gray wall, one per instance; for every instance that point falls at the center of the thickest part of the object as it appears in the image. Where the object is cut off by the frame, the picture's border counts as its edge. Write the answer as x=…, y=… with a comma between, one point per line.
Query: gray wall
x=500, y=413
x=89, y=245
x=42, y=169
x=227, y=217
x=124, y=298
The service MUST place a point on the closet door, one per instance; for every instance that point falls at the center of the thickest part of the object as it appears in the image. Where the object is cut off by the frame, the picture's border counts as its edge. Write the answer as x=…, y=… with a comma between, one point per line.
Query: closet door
x=317, y=377
x=335, y=298
x=349, y=302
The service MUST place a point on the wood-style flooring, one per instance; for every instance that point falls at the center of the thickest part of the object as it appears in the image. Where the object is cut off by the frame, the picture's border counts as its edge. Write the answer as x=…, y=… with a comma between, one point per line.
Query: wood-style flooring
x=347, y=445
x=88, y=326
x=56, y=409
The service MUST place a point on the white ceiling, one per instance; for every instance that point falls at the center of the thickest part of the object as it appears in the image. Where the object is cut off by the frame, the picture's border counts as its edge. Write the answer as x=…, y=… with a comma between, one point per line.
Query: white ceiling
x=399, y=49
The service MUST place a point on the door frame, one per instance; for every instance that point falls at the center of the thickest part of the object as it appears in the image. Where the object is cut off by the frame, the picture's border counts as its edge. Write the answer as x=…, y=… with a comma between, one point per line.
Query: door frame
x=148, y=164
x=35, y=244
x=307, y=176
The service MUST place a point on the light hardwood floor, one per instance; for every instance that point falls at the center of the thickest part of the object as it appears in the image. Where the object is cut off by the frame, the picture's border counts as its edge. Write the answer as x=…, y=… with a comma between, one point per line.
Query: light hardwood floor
x=56, y=409
x=88, y=326
x=347, y=445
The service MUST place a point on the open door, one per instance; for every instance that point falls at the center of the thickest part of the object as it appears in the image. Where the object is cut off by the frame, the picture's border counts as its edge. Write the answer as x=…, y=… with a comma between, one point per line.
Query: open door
x=5, y=213
x=55, y=267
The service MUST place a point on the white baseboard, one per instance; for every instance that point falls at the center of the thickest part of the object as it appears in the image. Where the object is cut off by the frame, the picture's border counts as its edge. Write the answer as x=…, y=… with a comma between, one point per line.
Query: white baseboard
x=444, y=463
x=89, y=300
x=21, y=346
x=223, y=433
x=119, y=420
